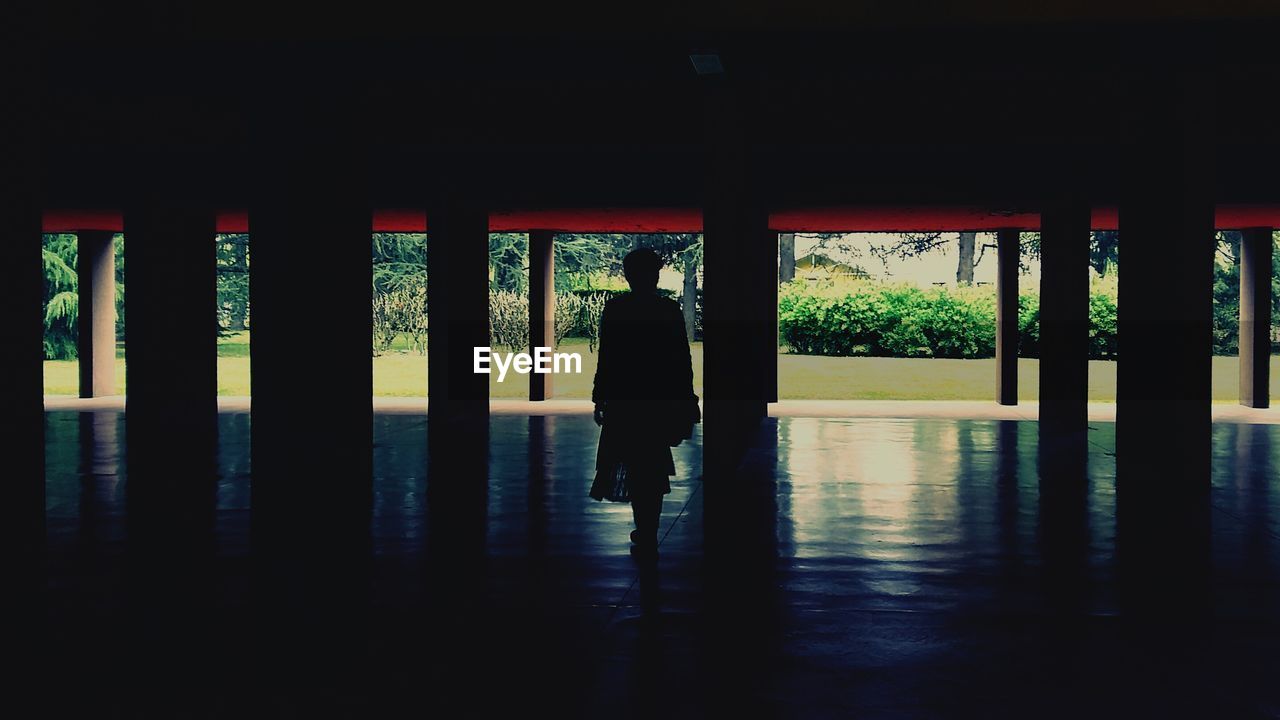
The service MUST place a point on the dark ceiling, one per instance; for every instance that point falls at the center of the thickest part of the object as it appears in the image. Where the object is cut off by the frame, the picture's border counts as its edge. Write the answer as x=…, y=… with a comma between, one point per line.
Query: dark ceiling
x=851, y=105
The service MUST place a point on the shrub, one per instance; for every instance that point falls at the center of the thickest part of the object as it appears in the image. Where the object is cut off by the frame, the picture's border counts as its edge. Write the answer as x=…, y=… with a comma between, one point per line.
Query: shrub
x=869, y=318
x=577, y=314
x=568, y=315
x=589, y=319
x=402, y=311
x=960, y=324
x=1103, y=343
x=508, y=320
x=901, y=331
x=1029, y=325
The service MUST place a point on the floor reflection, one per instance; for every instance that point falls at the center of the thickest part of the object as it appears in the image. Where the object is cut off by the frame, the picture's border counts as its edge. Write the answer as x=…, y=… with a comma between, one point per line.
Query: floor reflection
x=911, y=568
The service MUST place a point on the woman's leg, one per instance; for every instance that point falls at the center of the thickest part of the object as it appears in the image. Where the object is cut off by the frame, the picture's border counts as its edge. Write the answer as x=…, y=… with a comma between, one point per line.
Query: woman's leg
x=646, y=508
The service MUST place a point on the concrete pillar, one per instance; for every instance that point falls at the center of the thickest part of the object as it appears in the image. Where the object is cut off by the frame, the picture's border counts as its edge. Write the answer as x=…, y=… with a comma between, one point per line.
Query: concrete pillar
x=310, y=224
x=1064, y=330
x=310, y=289
x=22, y=422
x=22, y=521
x=542, y=305
x=1165, y=325
x=458, y=313
x=171, y=336
x=739, y=317
x=769, y=263
x=96, y=273
x=1007, y=317
x=311, y=429
x=1255, y=317
x=740, y=271
x=172, y=384
x=1062, y=449
x=458, y=397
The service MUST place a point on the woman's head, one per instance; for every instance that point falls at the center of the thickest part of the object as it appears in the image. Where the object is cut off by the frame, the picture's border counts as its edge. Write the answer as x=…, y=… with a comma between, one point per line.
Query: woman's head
x=641, y=269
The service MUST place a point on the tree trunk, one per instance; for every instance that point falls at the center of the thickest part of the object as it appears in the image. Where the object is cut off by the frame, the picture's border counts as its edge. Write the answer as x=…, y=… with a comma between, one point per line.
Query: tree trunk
x=964, y=269
x=786, y=257
x=689, y=303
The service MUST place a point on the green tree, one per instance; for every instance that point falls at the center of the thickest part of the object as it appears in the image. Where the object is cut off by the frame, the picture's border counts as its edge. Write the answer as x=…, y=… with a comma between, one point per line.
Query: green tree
x=61, y=302
x=399, y=281
x=581, y=257
x=233, y=281
x=1104, y=251
x=509, y=261
x=399, y=261
x=678, y=250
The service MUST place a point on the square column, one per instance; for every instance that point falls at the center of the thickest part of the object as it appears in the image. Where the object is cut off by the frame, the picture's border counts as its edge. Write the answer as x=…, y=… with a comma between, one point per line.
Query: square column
x=458, y=397
x=22, y=423
x=769, y=338
x=311, y=367
x=172, y=375
x=542, y=306
x=96, y=280
x=1255, y=317
x=739, y=321
x=1007, y=247
x=1164, y=377
x=740, y=281
x=311, y=427
x=1165, y=325
x=740, y=270
x=1064, y=330
x=171, y=336
x=458, y=312
x=310, y=282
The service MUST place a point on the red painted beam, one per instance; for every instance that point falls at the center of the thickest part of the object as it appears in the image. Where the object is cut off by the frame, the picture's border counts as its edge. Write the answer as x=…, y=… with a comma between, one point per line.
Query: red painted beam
x=66, y=221
x=898, y=219
x=233, y=221
x=1235, y=217
x=599, y=220
x=400, y=220
x=687, y=220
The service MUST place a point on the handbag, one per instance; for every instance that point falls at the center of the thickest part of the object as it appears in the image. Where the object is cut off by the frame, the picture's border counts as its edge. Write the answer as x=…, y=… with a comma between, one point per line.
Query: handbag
x=611, y=485
x=619, y=492
x=610, y=482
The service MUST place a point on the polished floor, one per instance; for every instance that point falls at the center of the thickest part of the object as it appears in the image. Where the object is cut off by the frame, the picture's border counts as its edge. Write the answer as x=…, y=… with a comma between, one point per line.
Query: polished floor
x=883, y=568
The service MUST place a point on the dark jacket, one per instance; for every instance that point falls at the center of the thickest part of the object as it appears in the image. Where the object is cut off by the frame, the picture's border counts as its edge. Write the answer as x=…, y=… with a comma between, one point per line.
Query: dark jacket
x=643, y=357
x=644, y=380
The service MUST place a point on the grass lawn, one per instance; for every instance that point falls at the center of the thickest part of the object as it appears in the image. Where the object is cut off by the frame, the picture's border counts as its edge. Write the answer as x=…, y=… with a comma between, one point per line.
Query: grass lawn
x=830, y=378
x=405, y=375
x=401, y=373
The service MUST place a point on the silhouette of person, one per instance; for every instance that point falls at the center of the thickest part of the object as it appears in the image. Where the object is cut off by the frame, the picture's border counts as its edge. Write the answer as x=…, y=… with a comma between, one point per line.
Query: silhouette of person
x=643, y=395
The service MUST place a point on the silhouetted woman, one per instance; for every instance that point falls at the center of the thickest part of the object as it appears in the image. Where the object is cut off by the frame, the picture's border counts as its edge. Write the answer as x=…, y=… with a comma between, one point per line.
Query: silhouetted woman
x=643, y=395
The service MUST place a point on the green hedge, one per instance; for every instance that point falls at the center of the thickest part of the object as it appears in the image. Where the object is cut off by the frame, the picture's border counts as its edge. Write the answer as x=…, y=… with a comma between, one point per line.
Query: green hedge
x=582, y=330
x=878, y=320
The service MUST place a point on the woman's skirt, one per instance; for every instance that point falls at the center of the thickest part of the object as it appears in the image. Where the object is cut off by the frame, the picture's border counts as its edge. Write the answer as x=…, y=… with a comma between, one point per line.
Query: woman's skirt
x=631, y=460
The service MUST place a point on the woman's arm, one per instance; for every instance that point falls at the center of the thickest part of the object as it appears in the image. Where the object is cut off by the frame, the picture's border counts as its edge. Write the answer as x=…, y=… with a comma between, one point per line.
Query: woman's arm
x=600, y=390
x=683, y=355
